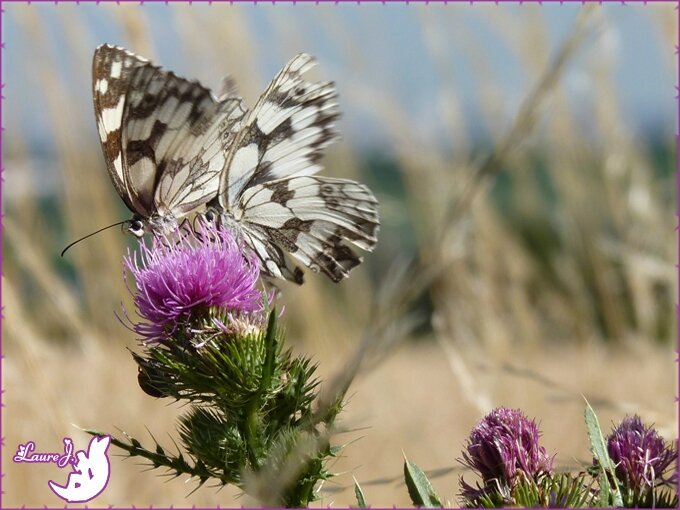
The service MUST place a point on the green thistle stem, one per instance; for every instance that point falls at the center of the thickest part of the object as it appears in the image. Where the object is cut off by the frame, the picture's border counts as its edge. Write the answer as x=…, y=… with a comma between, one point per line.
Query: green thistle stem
x=252, y=432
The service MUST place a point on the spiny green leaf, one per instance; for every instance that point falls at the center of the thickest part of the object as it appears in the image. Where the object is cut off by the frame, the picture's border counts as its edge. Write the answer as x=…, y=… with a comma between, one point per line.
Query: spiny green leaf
x=361, y=500
x=419, y=487
x=558, y=490
x=597, y=442
x=666, y=498
x=599, y=449
x=605, y=490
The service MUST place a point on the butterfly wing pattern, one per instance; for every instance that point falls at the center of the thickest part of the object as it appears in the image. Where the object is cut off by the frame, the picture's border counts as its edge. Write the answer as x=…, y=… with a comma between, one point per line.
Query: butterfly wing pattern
x=163, y=136
x=171, y=147
x=269, y=192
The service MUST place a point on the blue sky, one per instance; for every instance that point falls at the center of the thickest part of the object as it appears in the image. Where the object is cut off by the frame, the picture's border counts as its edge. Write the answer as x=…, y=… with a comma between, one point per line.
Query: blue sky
x=392, y=41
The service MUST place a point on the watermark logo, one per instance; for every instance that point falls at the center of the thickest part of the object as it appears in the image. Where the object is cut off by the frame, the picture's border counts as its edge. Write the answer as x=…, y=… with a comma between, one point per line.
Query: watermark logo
x=89, y=471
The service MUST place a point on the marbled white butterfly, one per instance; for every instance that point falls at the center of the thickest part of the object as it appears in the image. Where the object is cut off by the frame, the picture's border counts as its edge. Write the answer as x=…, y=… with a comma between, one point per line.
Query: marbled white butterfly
x=171, y=147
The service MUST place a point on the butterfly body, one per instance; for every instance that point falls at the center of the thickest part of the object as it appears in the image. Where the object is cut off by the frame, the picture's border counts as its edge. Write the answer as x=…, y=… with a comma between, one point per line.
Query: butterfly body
x=159, y=222
x=172, y=149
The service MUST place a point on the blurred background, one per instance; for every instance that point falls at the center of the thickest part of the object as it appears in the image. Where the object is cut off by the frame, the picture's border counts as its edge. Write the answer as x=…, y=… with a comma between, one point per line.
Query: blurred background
x=555, y=273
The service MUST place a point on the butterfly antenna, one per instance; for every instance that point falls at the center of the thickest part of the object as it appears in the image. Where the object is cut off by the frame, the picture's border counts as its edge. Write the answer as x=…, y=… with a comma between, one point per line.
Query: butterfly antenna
x=93, y=233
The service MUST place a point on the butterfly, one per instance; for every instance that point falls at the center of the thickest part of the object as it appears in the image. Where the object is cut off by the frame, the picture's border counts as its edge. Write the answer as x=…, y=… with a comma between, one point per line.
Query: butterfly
x=172, y=148
x=163, y=137
x=269, y=192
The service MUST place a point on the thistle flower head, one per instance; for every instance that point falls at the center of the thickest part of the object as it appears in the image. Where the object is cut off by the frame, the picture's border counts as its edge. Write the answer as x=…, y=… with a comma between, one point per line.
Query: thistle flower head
x=640, y=454
x=179, y=280
x=502, y=447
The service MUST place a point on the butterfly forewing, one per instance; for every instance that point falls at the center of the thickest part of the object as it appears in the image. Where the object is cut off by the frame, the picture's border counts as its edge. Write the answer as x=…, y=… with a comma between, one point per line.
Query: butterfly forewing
x=111, y=69
x=284, y=134
x=164, y=137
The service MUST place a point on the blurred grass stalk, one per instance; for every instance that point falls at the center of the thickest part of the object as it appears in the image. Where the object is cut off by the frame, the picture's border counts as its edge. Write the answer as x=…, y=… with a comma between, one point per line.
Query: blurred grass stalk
x=590, y=260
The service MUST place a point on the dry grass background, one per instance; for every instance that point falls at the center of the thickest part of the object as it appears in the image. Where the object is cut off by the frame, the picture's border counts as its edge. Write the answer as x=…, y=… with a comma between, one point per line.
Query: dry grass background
x=542, y=296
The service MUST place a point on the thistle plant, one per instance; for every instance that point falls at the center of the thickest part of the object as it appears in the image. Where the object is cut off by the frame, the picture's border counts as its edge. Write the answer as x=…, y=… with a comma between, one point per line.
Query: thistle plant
x=634, y=467
x=210, y=338
x=178, y=283
x=503, y=449
x=646, y=466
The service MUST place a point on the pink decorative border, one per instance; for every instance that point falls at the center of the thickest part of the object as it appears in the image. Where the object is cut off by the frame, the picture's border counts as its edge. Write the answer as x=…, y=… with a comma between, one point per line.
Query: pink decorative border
x=357, y=2
x=294, y=2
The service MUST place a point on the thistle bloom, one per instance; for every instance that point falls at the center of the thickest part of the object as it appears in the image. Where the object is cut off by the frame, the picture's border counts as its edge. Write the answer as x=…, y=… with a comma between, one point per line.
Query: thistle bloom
x=177, y=281
x=503, y=445
x=640, y=454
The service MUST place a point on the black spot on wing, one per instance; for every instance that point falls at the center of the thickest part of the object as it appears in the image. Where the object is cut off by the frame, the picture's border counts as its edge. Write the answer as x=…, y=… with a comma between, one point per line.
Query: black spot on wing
x=145, y=107
x=281, y=192
x=287, y=235
x=276, y=256
x=282, y=132
x=298, y=225
x=138, y=149
x=336, y=261
x=298, y=276
x=112, y=146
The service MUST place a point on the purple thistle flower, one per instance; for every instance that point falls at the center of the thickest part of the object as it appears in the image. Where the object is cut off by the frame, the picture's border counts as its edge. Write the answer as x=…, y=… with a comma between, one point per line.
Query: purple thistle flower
x=501, y=447
x=640, y=454
x=177, y=281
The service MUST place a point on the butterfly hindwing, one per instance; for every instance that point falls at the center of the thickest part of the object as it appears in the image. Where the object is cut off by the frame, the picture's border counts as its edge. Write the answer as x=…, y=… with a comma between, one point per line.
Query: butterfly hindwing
x=312, y=219
x=274, y=262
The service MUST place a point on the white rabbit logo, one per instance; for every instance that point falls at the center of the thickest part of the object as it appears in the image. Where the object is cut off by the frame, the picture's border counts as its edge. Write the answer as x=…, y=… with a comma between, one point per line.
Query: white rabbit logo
x=89, y=475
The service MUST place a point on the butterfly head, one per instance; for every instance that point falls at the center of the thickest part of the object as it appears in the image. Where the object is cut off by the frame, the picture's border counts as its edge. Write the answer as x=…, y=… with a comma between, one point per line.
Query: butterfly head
x=213, y=216
x=157, y=224
x=135, y=226
x=210, y=215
